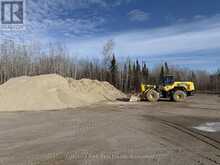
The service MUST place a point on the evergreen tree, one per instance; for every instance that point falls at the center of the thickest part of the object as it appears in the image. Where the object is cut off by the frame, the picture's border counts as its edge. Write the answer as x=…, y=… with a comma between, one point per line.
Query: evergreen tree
x=161, y=74
x=145, y=74
x=193, y=77
x=129, y=88
x=113, y=71
x=218, y=72
x=91, y=71
x=167, y=70
x=133, y=78
x=125, y=78
x=137, y=75
x=218, y=80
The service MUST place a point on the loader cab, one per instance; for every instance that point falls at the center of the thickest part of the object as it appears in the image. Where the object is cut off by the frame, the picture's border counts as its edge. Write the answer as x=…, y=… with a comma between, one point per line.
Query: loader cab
x=168, y=80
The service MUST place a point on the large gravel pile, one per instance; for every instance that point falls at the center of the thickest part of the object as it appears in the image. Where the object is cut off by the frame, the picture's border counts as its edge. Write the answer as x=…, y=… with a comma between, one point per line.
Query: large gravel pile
x=50, y=92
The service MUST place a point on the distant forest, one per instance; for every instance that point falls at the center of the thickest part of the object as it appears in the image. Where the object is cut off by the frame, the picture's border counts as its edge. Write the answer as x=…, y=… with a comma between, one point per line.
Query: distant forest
x=20, y=59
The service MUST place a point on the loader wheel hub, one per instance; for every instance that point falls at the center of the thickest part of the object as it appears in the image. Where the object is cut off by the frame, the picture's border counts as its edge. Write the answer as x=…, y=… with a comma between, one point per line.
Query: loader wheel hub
x=179, y=96
x=153, y=96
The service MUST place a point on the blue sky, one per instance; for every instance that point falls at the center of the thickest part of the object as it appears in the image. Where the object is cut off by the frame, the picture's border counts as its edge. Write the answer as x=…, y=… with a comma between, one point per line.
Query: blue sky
x=185, y=33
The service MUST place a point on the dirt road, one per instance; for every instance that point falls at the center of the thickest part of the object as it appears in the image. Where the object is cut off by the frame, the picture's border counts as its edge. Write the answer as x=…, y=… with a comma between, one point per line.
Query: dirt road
x=114, y=133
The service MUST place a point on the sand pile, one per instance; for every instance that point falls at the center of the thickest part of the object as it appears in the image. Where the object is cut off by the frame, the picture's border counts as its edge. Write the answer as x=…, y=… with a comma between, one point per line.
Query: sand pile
x=49, y=92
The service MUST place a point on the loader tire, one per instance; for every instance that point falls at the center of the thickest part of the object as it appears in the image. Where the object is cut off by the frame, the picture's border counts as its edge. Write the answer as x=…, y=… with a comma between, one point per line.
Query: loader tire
x=179, y=96
x=153, y=96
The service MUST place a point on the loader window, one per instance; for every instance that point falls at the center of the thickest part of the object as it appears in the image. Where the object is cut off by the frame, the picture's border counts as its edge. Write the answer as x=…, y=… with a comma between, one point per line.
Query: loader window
x=168, y=80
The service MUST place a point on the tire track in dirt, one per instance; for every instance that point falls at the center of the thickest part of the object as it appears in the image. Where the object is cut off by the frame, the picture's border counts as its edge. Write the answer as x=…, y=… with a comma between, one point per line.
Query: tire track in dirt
x=198, y=136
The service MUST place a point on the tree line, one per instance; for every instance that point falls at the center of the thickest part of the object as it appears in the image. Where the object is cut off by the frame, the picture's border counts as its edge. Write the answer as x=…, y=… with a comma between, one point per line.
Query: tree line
x=20, y=59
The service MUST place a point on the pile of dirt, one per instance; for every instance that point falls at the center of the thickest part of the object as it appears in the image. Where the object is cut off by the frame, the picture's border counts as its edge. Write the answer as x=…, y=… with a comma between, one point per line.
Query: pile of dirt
x=50, y=92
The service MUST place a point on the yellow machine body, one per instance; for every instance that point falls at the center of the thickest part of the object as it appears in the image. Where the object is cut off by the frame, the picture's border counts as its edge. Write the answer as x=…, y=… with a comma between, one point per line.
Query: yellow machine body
x=176, y=91
x=187, y=86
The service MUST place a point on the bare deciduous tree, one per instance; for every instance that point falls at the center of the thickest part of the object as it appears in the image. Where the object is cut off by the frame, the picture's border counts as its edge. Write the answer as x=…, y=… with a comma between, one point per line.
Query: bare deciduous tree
x=18, y=60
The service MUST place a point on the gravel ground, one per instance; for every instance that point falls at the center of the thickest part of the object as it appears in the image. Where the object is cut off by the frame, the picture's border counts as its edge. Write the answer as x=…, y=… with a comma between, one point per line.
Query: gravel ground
x=114, y=133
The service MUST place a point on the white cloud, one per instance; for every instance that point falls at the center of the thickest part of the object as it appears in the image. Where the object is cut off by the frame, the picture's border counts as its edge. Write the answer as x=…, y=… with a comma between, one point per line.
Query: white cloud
x=182, y=38
x=199, y=17
x=138, y=15
x=202, y=34
x=44, y=19
x=79, y=4
x=171, y=44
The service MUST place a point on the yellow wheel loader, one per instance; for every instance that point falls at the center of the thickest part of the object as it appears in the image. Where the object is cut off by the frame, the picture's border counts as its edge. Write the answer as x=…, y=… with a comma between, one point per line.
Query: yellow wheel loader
x=175, y=90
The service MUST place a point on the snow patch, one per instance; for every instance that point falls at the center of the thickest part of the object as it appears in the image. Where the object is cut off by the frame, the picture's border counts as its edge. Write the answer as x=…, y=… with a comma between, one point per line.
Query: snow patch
x=209, y=127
